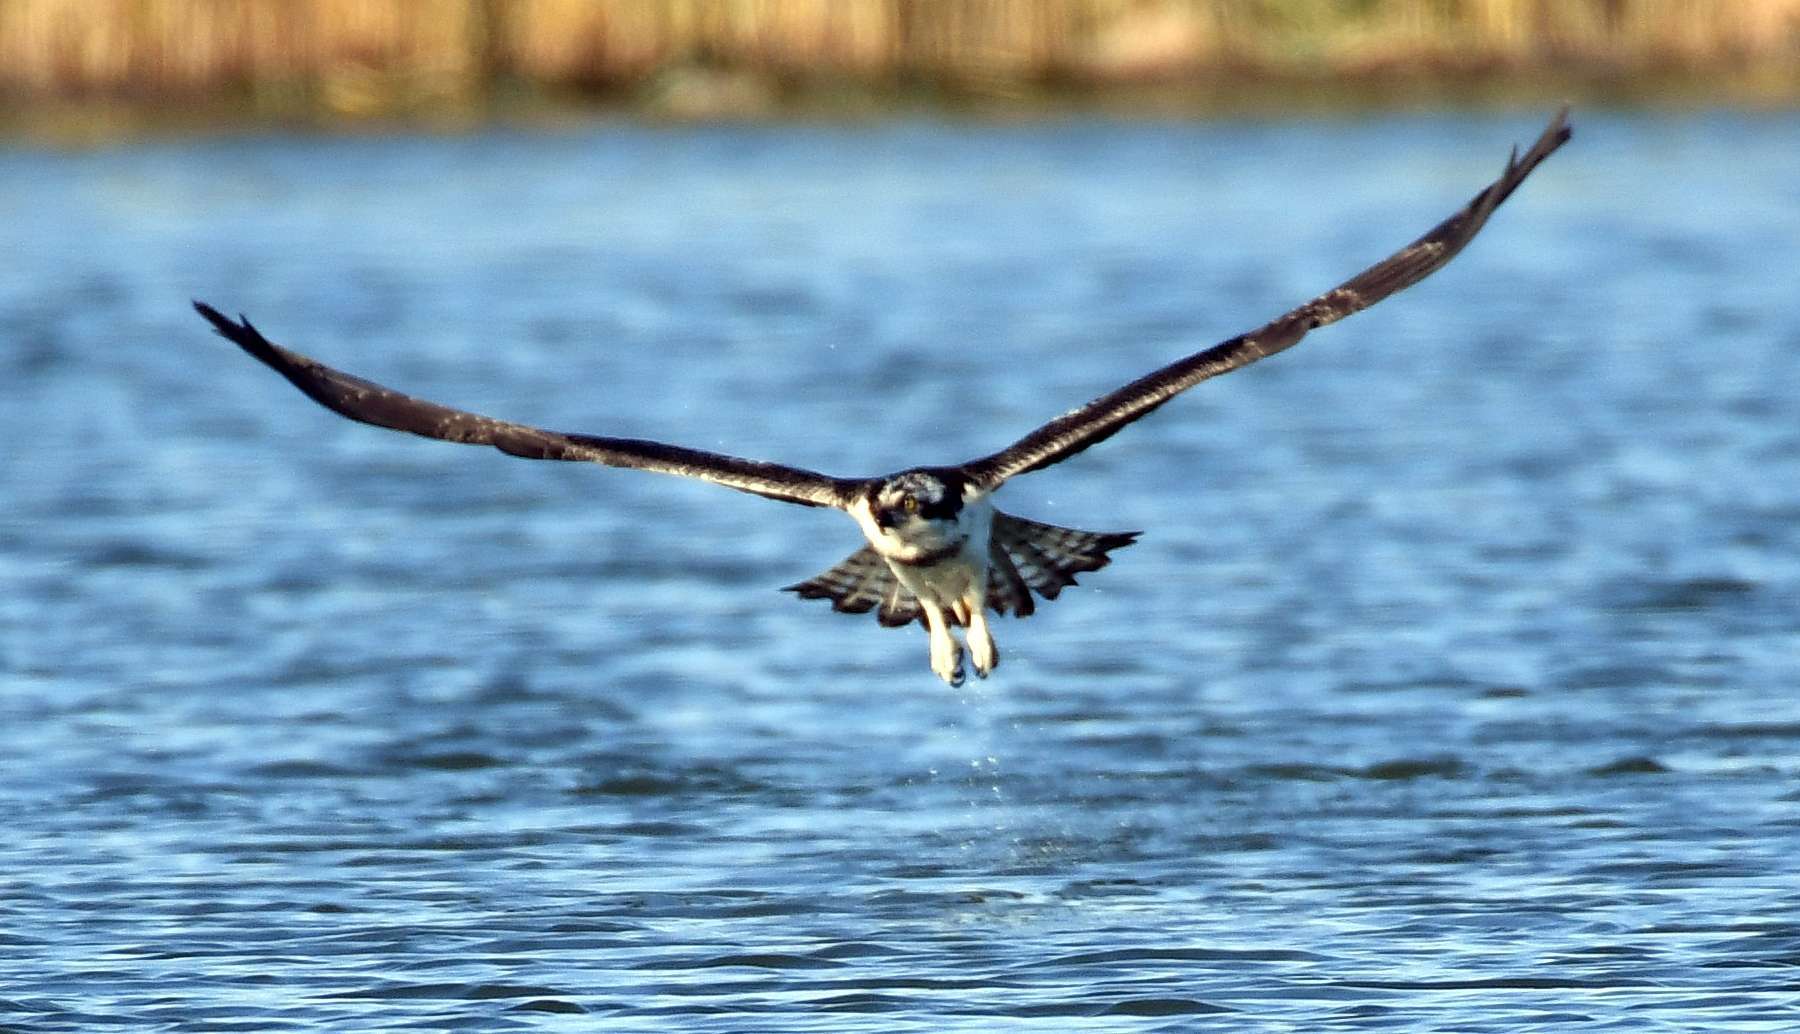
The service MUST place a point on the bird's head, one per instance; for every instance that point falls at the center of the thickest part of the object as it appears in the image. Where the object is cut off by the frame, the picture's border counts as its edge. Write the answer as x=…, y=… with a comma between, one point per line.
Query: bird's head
x=913, y=497
x=921, y=509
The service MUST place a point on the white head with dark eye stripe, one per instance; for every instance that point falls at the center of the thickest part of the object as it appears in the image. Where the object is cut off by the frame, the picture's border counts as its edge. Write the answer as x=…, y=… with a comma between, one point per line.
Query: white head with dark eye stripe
x=915, y=513
x=917, y=496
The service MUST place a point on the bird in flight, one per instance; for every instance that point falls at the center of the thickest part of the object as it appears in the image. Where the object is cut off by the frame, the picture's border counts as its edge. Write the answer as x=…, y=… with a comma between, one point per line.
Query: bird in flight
x=937, y=552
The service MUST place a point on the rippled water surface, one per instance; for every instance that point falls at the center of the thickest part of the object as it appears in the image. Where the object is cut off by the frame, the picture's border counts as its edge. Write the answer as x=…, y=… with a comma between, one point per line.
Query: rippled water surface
x=1452, y=685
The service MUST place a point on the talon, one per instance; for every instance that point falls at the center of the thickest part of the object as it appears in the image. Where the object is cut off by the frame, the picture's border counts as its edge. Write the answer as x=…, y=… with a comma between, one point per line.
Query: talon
x=985, y=665
x=949, y=664
x=983, y=651
x=946, y=651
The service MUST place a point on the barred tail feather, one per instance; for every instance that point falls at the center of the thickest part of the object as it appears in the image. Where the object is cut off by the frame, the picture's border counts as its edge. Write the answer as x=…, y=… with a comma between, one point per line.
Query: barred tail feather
x=860, y=583
x=1023, y=557
x=1007, y=591
x=1044, y=557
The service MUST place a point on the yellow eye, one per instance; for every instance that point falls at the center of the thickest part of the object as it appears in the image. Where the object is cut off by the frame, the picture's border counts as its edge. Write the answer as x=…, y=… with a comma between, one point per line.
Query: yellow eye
x=909, y=504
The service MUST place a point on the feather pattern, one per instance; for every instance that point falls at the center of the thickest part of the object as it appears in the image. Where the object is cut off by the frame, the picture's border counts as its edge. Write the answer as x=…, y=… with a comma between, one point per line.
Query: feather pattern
x=1023, y=556
x=858, y=584
x=1047, y=557
x=371, y=403
x=1105, y=416
x=1007, y=592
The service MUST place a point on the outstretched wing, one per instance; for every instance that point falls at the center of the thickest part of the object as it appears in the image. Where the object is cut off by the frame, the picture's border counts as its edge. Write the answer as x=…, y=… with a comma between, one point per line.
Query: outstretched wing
x=1105, y=416
x=371, y=403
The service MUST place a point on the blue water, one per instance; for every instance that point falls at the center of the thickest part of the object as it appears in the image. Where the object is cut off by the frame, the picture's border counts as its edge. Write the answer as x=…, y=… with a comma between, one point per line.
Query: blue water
x=1452, y=685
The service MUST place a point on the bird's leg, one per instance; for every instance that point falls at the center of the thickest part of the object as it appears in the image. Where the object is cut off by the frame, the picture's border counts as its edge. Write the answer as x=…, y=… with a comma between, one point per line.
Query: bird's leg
x=946, y=653
x=981, y=641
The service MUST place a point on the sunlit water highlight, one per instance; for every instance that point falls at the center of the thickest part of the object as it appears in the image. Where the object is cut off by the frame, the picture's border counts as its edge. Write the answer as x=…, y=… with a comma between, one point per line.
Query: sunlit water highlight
x=1451, y=686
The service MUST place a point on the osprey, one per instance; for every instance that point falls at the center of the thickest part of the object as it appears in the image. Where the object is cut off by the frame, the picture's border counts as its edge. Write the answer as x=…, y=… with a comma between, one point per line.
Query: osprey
x=937, y=550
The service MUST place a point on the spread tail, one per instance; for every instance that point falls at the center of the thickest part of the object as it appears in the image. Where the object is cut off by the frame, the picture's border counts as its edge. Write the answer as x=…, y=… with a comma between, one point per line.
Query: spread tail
x=1044, y=558
x=1023, y=556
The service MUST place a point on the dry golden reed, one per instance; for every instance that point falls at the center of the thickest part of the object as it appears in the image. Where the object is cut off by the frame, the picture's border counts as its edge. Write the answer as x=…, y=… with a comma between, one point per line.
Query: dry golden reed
x=352, y=52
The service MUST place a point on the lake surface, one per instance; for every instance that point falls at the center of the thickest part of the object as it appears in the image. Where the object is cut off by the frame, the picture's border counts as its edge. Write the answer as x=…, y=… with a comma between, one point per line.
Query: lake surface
x=1452, y=686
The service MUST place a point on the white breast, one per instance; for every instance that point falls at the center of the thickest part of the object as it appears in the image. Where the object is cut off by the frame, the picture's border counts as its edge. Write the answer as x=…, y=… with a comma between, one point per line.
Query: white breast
x=947, y=580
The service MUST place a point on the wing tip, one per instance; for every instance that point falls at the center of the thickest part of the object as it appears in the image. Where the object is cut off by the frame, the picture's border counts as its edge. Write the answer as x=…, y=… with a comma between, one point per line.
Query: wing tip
x=240, y=332
x=221, y=323
x=1556, y=133
x=1559, y=131
x=1560, y=121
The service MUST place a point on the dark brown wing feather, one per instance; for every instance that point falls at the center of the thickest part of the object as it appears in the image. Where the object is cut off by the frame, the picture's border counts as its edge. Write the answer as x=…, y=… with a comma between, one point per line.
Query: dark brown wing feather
x=860, y=583
x=370, y=403
x=1045, y=557
x=1102, y=418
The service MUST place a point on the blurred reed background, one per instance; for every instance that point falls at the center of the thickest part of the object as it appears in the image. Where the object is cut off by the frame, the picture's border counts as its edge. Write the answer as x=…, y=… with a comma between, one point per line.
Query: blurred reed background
x=354, y=57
